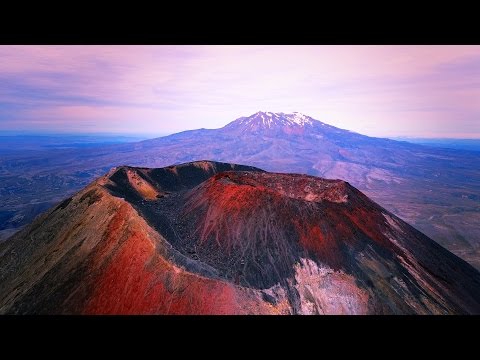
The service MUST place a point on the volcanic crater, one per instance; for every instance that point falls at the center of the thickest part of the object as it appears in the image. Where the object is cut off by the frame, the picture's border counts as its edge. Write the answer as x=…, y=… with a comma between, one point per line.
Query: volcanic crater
x=217, y=238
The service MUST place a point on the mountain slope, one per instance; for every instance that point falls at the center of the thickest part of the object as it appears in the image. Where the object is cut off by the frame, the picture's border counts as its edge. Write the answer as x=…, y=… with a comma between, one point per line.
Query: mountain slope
x=216, y=238
x=436, y=190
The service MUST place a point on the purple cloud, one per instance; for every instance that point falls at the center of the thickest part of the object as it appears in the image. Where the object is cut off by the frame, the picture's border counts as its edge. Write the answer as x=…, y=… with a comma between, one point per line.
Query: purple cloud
x=377, y=90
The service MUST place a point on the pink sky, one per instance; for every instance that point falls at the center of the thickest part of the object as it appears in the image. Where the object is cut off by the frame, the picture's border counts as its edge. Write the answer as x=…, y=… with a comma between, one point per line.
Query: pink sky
x=422, y=91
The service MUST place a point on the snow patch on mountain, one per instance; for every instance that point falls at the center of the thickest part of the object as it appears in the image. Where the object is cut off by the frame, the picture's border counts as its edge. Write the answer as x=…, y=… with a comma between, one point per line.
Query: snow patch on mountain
x=270, y=120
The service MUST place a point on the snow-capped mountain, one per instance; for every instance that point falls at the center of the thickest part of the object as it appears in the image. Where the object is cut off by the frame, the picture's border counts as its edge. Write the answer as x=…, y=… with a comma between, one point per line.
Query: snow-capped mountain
x=270, y=121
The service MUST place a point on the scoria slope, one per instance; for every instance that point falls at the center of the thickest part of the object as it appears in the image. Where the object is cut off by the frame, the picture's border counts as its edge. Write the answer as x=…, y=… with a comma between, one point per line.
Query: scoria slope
x=217, y=238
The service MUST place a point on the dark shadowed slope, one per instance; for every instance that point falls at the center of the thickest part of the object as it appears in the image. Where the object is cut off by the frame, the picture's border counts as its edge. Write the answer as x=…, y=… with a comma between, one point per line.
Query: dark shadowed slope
x=216, y=238
x=436, y=190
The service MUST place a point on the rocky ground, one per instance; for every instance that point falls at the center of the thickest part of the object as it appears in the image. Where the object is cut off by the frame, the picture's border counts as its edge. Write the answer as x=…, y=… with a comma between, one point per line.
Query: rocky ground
x=216, y=238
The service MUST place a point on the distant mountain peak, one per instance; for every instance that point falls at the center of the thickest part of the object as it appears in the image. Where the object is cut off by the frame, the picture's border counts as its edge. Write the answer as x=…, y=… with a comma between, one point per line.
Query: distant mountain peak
x=280, y=118
x=266, y=120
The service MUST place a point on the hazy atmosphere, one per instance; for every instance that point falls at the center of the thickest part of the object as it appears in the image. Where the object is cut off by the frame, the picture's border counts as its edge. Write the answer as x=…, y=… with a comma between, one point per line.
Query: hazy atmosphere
x=335, y=180
x=414, y=91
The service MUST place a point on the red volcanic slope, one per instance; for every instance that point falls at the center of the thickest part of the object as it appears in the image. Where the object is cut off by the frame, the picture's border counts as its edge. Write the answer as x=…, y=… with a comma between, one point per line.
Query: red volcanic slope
x=216, y=238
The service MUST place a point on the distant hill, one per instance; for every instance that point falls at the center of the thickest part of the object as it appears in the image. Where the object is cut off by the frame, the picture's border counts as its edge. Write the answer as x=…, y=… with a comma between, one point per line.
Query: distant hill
x=461, y=144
